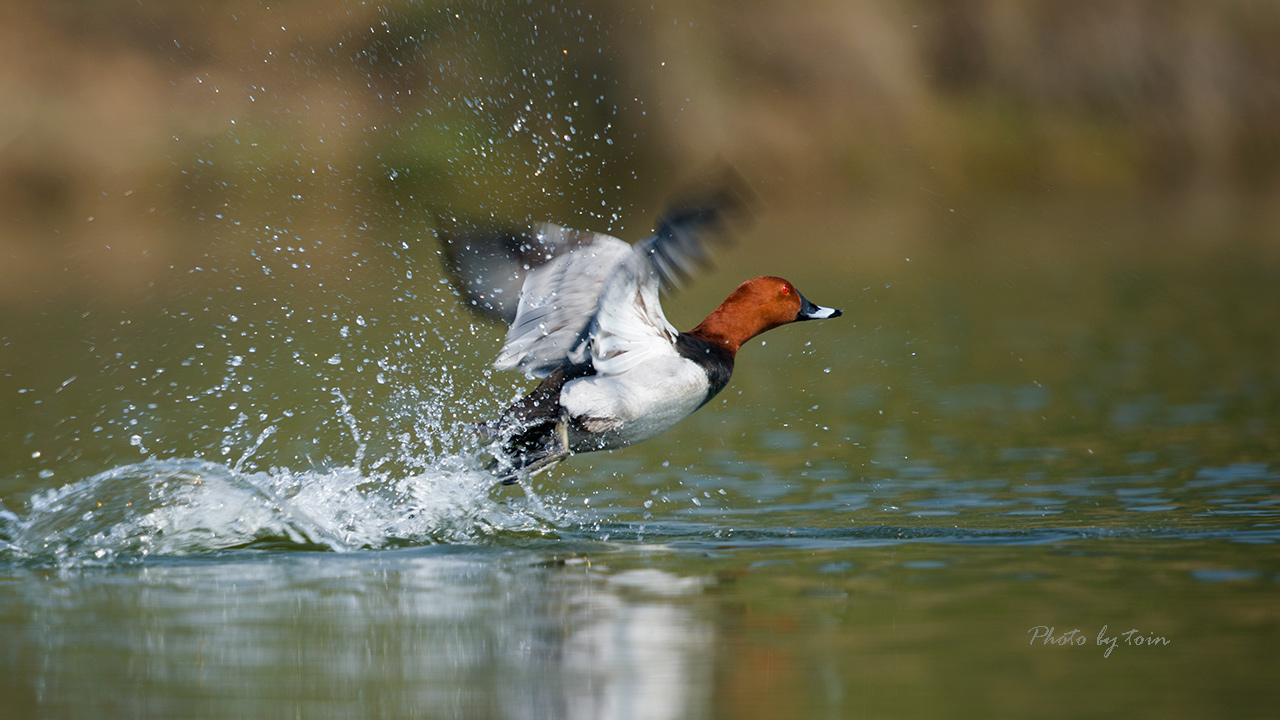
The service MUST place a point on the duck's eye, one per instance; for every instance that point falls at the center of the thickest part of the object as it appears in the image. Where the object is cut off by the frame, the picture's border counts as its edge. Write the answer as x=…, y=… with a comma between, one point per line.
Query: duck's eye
x=786, y=290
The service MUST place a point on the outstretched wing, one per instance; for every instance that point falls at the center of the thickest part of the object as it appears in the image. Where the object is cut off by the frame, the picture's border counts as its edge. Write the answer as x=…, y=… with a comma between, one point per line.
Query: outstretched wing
x=586, y=295
x=489, y=265
x=557, y=304
x=677, y=250
x=629, y=327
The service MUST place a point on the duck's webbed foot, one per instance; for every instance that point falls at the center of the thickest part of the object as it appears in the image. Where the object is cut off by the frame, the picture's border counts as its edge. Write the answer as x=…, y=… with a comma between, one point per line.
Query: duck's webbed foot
x=552, y=448
x=532, y=435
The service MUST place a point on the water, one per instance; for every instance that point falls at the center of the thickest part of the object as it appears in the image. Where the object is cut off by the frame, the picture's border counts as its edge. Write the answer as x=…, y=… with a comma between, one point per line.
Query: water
x=1032, y=471
x=877, y=519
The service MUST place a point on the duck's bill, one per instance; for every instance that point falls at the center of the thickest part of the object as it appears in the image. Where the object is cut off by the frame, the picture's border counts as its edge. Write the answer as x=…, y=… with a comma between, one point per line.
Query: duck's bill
x=810, y=311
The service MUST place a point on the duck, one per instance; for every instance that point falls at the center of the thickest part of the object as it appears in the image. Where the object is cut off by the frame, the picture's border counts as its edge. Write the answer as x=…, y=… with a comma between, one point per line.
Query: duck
x=585, y=320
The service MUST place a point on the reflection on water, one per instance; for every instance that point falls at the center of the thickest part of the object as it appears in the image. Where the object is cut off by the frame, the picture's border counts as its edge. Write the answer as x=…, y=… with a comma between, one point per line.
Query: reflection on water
x=394, y=635
x=753, y=627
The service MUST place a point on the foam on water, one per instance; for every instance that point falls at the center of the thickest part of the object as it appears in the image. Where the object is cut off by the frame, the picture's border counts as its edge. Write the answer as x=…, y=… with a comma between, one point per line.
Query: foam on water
x=192, y=506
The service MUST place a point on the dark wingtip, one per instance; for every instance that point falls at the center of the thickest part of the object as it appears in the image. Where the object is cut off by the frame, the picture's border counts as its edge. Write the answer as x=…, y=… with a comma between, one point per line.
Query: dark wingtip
x=699, y=215
x=709, y=202
x=487, y=262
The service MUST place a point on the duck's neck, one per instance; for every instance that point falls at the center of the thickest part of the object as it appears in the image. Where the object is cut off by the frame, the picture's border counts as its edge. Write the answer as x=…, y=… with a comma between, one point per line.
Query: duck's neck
x=717, y=335
x=727, y=329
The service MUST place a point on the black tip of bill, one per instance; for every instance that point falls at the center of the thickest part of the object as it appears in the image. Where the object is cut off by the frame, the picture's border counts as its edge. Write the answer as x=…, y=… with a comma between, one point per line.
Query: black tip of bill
x=810, y=311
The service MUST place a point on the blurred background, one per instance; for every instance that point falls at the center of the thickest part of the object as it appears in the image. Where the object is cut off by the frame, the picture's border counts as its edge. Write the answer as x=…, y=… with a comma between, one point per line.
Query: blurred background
x=217, y=218
x=136, y=136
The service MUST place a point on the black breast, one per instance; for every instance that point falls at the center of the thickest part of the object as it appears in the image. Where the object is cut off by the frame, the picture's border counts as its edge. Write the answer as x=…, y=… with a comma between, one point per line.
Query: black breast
x=715, y=360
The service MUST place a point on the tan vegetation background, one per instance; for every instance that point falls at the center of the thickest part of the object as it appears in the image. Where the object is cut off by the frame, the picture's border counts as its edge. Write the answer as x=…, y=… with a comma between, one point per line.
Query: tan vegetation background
x=137, y=138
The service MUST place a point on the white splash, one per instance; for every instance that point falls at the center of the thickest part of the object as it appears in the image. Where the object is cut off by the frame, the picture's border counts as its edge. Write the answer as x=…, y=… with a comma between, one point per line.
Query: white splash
x=191, y=506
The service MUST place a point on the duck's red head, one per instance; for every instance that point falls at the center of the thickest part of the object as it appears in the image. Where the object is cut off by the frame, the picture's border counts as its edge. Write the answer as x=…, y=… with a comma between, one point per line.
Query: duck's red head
x=758, y=304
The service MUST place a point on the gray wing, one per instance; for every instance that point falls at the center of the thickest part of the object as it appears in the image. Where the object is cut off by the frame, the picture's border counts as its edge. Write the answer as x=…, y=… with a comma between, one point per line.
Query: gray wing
x=629, y=328
x=557, y=303
x=677, y=250
x=561, y=275
x=489, y=265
